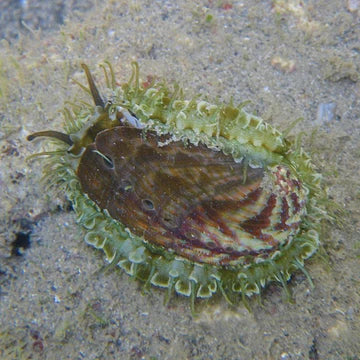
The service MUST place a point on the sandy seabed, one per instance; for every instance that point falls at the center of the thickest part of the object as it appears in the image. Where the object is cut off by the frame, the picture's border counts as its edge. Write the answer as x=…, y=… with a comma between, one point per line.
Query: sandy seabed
x=292, y=59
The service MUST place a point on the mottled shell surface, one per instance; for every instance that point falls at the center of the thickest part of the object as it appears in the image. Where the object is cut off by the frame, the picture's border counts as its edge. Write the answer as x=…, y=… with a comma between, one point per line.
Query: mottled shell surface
x=187, y=195
x=198, y=202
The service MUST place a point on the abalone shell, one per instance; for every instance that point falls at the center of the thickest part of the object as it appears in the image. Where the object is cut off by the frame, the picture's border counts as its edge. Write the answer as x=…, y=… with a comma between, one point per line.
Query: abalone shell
x=194, y=200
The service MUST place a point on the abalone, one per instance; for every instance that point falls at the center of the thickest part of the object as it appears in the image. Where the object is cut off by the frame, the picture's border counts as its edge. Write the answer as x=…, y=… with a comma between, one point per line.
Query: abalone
x=184, y=194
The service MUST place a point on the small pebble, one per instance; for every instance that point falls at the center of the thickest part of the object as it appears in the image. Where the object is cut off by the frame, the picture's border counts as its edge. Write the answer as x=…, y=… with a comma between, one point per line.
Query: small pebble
x=353, y=5
x=325, y=113
x=284, y=65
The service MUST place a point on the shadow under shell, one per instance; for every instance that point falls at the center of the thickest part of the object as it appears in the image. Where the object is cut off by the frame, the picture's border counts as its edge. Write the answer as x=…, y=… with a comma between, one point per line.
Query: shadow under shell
x=194, y=200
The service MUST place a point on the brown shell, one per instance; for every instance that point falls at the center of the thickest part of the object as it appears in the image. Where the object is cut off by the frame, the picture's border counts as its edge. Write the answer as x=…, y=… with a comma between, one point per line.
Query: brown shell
x=194, y=200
